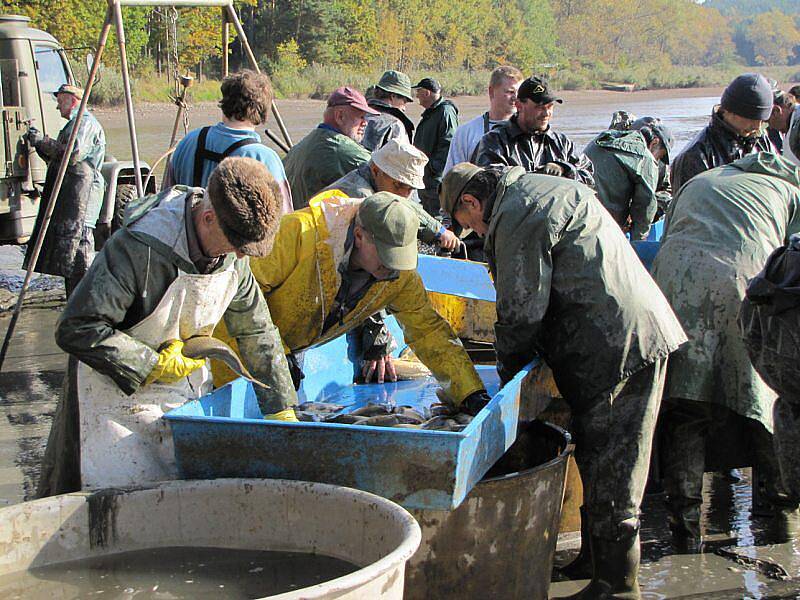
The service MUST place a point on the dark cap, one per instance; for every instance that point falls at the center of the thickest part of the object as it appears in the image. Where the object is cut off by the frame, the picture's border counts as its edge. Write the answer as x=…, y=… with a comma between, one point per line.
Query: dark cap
x=247, y=202
x=454, y=183
x=749, y=96
x=430, y=84
x=538, y=91
x=347, y=96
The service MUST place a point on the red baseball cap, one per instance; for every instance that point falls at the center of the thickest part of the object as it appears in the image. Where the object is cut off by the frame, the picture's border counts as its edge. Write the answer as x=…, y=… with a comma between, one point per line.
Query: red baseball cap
x=347, y=96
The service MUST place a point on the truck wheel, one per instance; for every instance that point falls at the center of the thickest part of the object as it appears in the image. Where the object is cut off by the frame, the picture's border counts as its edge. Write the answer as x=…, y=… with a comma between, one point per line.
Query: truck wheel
x=125, y=193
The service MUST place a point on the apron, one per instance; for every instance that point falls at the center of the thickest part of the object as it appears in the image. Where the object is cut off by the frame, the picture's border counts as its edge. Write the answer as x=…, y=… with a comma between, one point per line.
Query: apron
x=124, y=441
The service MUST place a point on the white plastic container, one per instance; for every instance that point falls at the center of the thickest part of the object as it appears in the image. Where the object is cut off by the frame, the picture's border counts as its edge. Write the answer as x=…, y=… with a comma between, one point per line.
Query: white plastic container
x=250, y=514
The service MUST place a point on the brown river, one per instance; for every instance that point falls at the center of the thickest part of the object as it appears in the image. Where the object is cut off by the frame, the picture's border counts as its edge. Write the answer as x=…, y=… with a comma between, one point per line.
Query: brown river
x=32, y=375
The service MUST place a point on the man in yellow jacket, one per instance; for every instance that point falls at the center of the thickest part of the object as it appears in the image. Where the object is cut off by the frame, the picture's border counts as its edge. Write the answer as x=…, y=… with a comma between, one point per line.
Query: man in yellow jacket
x=340, y=260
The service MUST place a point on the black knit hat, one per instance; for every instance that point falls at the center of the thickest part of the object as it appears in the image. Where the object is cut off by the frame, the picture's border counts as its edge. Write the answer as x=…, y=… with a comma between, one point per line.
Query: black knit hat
x=749, y=96
x=247, y=201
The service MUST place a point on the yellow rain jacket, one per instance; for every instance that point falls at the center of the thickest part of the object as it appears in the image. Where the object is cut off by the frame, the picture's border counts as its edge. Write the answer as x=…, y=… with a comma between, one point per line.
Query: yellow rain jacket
x=300, y=280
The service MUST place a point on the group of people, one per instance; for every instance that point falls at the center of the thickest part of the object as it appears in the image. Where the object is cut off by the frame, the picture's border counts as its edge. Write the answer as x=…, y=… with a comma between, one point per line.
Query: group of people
x=278, y=256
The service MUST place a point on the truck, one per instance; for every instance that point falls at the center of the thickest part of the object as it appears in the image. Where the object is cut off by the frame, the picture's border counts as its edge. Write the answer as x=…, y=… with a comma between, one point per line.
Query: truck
x=33, y=65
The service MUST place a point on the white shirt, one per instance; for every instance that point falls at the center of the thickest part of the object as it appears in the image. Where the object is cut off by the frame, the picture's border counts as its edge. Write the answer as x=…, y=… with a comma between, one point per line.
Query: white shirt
x=466, y=139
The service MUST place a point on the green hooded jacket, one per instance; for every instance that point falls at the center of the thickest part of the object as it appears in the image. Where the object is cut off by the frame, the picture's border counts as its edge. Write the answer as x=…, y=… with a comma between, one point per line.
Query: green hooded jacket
x=571, y=288
x=722, y=227
x=626, y=178
x=126, y=282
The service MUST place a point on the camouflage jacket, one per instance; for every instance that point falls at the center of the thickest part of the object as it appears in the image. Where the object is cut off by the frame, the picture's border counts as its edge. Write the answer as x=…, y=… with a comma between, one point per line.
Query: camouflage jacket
x=126, y=283
x=571, y=288
x=722, y=227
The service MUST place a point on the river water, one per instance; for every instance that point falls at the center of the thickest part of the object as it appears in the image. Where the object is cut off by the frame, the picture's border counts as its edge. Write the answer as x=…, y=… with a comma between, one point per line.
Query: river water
x=32, y=375
x=582, y=116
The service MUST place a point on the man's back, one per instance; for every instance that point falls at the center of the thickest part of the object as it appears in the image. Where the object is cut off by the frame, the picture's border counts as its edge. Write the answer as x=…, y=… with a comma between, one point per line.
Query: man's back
x=569, y=282
x=626, y=177
x=220, y=139
x=319, y=159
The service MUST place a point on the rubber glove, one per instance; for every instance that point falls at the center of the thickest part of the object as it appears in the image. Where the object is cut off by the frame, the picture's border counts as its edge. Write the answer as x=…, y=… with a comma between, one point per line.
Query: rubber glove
x=34, y=136
x=172, y=365
x=551, y=168
x=474, y=403
x=286, y=415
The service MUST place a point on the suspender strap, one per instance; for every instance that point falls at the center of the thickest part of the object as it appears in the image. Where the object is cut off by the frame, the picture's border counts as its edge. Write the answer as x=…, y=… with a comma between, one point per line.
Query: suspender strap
x=202, y=154
x=486, y=125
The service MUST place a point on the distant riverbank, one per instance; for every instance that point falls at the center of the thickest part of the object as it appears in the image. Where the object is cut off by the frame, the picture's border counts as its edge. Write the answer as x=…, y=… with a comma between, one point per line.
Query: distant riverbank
x=317, y=81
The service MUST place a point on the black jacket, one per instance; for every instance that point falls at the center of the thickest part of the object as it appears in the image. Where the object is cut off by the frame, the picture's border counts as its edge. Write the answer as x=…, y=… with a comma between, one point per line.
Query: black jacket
x=714, y=146
x=434, y=132
x=508, y=146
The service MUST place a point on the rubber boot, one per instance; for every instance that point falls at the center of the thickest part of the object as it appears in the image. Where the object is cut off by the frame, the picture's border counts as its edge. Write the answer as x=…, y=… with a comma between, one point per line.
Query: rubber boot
x=616, y=570
x=581, y=566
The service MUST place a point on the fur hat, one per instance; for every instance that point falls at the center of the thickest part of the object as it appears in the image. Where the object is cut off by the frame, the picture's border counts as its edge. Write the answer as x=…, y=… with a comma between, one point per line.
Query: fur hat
x=247, y=201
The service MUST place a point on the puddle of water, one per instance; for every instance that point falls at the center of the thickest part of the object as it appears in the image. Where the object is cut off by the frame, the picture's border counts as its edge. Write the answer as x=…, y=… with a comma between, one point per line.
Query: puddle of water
x=727, y=522
x=175, y=573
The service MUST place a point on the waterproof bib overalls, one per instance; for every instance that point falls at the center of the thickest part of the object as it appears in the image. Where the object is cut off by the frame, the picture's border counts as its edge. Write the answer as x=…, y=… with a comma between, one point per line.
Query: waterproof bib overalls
x=124, y=441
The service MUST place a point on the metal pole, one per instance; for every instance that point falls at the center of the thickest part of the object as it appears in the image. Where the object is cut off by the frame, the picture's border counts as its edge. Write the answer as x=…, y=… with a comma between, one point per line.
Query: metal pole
x=225, y=42
x=51, y=201
x=276, y=140
x=234, y=18
x=126, y=81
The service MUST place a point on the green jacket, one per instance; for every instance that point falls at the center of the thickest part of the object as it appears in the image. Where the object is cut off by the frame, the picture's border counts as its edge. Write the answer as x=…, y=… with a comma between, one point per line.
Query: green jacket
x=722, y=227
x=571, y=288
x=127, y=281
x=359, y=183
x=319, y=159
x=434, y=133
x=626, y=178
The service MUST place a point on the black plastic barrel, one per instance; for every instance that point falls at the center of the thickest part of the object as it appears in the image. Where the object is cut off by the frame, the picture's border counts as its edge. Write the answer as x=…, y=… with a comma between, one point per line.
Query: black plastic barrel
x=500, y=542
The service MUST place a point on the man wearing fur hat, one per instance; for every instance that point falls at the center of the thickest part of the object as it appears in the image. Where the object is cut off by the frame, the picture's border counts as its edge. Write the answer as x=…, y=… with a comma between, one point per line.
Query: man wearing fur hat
x=176, y=268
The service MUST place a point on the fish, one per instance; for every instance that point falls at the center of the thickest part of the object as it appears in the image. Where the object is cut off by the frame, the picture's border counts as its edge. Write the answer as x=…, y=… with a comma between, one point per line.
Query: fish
x=346, y=419
x=372, y=410
x=205, y=346
x=382, y=421
x=320, y=407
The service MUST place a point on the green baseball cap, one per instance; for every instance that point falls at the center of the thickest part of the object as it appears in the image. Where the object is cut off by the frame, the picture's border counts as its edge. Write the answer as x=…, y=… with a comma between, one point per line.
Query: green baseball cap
x=454, y=183
x=393, y=226
x=396, y=82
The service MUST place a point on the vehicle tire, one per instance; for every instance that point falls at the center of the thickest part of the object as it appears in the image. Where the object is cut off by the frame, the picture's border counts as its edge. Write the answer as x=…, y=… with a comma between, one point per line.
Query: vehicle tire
x=125, y=193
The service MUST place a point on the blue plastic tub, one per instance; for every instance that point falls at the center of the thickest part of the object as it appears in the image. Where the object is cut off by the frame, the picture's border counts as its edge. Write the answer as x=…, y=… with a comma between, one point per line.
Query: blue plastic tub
x=223, y=435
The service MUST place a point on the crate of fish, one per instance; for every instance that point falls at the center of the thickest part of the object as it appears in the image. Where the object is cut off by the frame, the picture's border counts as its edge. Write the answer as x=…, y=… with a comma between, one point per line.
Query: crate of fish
x=391, y=439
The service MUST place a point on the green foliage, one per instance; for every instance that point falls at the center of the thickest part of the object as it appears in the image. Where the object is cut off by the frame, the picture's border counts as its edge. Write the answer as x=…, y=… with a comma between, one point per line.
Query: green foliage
x=313, y=46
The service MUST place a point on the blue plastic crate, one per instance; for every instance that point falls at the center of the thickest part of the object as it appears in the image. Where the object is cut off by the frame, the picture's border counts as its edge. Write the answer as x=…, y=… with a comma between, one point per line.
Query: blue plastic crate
x=223, y=435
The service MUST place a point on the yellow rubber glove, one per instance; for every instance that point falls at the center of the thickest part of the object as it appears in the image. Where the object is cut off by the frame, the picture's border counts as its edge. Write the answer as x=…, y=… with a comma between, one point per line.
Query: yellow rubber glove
x=172, y=365
x=286, y=415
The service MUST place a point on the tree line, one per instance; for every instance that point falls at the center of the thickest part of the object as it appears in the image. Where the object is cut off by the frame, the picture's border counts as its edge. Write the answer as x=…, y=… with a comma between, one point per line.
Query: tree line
x=437, y=35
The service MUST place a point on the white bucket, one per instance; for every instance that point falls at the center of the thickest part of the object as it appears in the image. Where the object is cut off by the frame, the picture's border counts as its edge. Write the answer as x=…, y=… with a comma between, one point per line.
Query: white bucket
x=249, y=514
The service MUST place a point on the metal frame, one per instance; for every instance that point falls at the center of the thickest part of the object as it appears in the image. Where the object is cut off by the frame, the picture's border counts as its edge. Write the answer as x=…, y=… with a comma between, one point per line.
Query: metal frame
x=114, y=17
